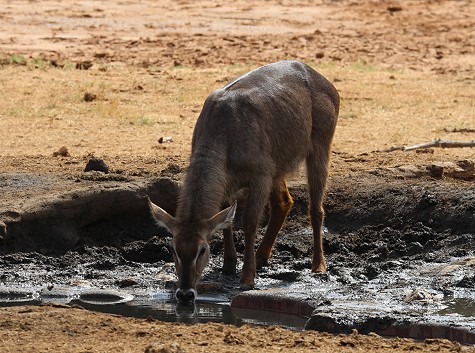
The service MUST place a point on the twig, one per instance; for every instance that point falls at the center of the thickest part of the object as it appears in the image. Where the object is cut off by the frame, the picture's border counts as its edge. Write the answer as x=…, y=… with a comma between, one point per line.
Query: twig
x=434, y=143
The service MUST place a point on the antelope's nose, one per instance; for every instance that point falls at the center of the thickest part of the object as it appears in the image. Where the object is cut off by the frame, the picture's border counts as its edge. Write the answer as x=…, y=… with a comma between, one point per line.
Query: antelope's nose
x=185, y=296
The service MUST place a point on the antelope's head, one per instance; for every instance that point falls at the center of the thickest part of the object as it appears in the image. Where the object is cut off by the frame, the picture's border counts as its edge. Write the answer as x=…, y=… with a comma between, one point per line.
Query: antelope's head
x=190, y=246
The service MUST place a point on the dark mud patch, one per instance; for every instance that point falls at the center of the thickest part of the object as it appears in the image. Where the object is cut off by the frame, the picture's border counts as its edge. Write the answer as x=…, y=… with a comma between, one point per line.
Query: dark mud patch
x=400, y=253
x=106, y=214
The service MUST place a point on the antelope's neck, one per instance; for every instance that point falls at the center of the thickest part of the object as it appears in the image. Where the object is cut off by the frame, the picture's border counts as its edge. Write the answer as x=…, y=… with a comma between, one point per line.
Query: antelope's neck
x=203, y=192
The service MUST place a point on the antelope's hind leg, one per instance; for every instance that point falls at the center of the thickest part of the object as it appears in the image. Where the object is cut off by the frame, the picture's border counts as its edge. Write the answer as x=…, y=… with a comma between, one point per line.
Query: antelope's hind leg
x=317, y=172
x=280, y=203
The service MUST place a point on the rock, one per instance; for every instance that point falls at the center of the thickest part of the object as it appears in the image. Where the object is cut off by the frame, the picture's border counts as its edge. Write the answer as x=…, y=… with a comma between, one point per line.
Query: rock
x=89, y=97
x=97, y=164
x=418, y=294
x=165, y=139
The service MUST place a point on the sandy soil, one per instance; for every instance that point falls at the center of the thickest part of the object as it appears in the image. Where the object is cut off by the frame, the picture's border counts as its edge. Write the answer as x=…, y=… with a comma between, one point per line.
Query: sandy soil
x=53, y=328
x=404, y=71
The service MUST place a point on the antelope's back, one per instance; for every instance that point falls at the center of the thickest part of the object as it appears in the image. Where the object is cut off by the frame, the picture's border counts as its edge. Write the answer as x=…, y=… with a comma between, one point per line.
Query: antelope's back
x=267, y=118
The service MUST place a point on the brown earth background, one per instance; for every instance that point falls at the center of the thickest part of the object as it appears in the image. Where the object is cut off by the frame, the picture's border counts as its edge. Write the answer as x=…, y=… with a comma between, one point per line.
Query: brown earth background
x=405, y=72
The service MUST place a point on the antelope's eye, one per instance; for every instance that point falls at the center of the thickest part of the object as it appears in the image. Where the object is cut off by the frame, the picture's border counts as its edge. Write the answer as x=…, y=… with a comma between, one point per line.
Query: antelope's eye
x=202, y=251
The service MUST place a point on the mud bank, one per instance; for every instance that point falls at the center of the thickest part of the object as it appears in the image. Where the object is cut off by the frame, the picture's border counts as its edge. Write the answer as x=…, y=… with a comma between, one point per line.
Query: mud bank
x=400, y=253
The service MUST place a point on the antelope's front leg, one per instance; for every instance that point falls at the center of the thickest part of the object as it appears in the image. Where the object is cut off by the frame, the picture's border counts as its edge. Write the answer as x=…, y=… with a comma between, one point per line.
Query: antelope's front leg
x=257, y=197
x=230, y=256
x=249, y=267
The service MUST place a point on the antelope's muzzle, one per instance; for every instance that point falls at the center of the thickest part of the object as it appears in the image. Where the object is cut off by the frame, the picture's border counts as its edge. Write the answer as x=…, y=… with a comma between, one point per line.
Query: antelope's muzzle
x=186, y=296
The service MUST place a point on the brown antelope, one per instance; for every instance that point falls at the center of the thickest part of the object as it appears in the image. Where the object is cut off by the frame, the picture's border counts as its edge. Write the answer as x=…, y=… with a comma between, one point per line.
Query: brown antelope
x=251, y=134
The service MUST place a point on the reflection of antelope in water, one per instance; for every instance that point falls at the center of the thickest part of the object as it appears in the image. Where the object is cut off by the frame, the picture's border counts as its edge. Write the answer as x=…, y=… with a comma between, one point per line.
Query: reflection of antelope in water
x=252, y=133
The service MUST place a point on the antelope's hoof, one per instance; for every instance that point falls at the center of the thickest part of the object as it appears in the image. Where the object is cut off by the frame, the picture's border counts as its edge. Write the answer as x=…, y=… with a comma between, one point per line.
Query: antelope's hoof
x=319, y=268
x=229, y=268
x=246, y=286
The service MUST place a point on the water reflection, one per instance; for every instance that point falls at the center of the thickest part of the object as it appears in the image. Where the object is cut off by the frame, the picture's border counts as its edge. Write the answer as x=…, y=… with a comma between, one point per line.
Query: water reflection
x=201, y=312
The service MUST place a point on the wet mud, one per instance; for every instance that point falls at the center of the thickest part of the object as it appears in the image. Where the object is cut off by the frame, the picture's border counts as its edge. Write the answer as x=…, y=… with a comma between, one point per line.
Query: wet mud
x=400, y=253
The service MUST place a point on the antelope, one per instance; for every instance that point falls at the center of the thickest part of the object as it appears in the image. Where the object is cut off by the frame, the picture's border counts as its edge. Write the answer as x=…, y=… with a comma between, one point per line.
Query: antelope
x=251, y=134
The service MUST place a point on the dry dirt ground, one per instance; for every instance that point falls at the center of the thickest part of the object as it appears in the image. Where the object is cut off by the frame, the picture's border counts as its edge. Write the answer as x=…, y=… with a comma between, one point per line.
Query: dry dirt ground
x=405, y=72
x=55, y=329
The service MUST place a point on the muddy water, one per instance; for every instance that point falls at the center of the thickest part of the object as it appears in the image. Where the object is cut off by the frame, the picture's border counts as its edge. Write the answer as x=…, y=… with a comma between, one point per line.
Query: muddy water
x=201, y=312
x=459, y=306
x=430, y=288
x=159, y=305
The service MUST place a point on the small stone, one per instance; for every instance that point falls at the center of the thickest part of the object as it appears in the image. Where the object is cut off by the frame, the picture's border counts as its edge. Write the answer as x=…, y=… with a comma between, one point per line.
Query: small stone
x=418, y=294
x=165, y=139
x=89, y=97
x=97, y=164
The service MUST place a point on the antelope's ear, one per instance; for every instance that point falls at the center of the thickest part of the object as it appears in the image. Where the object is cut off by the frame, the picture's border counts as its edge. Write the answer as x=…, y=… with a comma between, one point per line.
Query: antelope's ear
x=223, y=219
x=162, y=217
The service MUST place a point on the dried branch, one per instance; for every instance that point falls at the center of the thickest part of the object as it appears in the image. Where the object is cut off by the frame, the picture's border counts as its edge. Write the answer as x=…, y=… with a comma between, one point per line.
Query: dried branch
x=435, y=143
